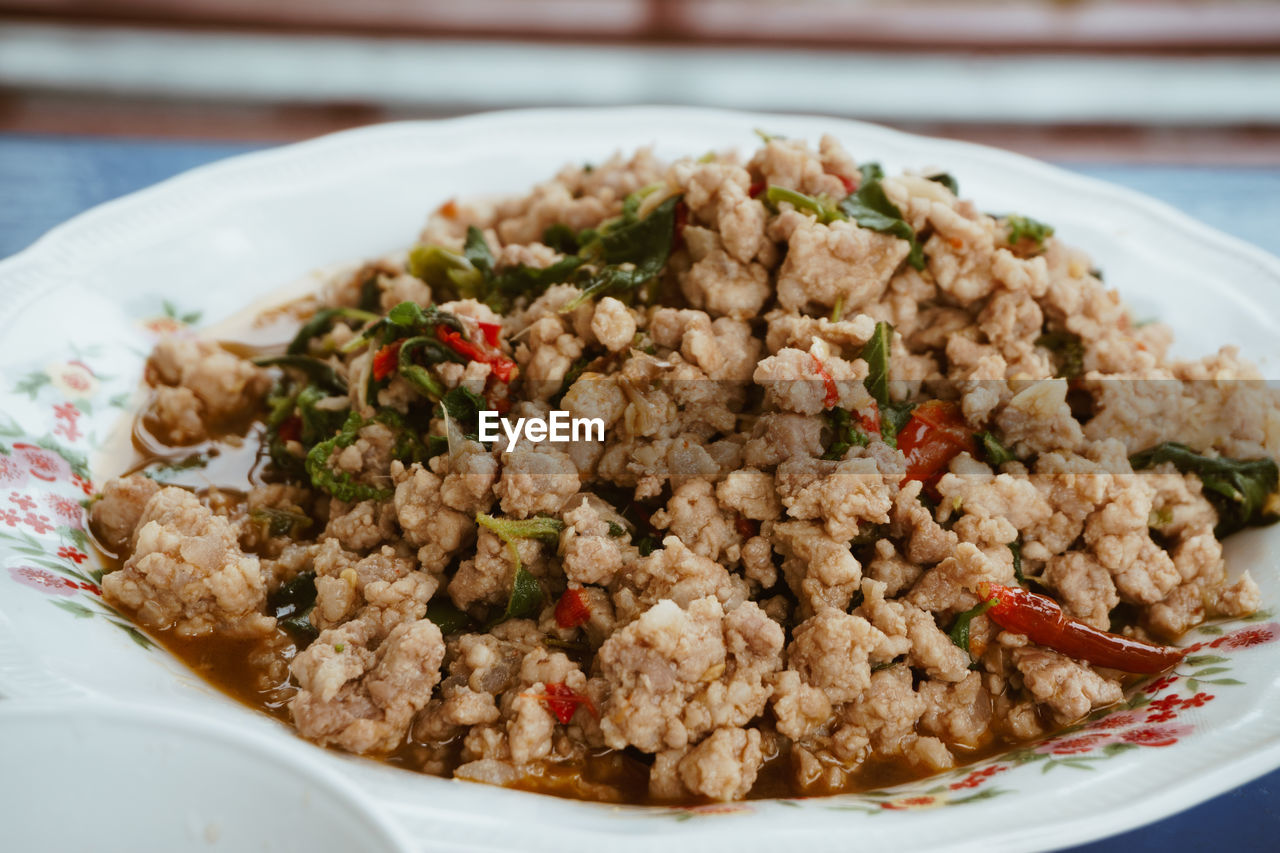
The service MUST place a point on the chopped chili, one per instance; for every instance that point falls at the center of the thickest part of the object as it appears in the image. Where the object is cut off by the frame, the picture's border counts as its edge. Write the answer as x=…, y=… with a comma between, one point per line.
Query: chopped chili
x=833, y=391
x=850, y=185
x=290, y=429
x=491, y=332
x=386, y=360
x=747, y=527
x=869, y=419
x=563, y=701
x=757, y=188
x=572, y=609
x=935, y=434
x=503, y=367
x=682, y=220
x=1041, y=619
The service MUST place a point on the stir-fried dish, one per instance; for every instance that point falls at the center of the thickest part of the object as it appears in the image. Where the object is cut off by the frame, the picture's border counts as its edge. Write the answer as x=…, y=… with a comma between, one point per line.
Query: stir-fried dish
x=694, y=481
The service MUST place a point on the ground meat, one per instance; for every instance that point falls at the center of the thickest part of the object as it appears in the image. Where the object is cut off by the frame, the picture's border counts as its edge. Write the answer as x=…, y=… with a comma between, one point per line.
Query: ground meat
x=187, y=573
x=753, y=563
x=1069, y=688
x=114, y=516
x=724, y=766
x=832, y=651
x=359, y=698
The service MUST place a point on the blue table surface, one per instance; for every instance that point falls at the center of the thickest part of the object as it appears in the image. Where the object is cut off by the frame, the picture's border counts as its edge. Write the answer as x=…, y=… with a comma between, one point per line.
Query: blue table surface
x=45, y=180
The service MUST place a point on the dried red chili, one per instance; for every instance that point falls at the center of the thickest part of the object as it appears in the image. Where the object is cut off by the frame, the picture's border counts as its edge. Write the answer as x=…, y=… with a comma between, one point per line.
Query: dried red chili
x=1041, y=619
x=572, y=609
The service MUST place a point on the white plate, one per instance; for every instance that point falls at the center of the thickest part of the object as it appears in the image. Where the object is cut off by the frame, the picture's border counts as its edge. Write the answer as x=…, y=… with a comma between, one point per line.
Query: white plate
x=79, y=310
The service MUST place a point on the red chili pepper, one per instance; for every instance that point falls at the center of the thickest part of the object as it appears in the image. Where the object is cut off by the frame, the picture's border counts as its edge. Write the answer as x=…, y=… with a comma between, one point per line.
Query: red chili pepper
x=563, y=701
x=386, y=360
x=681, y=220
x=870, y=420
x=491, y=332
x=833, y=392
x=757, y=188
x=747, y=527
x=572, y=609
x=850, y=185
x=1043, y=622
x=935, y=434
x=290, y=429
x=503, y=367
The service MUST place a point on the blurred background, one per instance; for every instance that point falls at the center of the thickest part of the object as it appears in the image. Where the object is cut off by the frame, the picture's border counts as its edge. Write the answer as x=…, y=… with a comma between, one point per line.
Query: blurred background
x=99, y=97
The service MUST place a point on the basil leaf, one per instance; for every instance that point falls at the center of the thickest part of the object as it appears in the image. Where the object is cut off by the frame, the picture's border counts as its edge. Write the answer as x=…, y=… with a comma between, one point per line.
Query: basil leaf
x=1016, y=548
x=960, y=628
x=893, y=418
x=291, y=603
x=526, y=596
x=1068, y=352
x=340, y=484
x=997, y=454
x=616, y=530
x=279, y=522
x=870, y=208
x=821, y=207
x=321, y=322
x=539, y=527
x=875, y=352
x=319, y=372
x=448, y=618
x=947, y=181
x=630, y=255
x=1239, y=489
x=476, y=250
x=562, y=238
x=447, y=271
x=464, y=407
x=1025, y=228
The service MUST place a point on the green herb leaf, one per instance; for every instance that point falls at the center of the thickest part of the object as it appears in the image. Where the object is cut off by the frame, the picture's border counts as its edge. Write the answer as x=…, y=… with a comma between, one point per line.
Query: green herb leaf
x=279, y=522
x=526, y=596
x=448, y=618
x=476, y=250
x=893, y=418
x=616, y=530
x=542, y=528
x=1025, y=228
x=960, y=628
x=871, y=208
x=1239, y=489
x=826, y=210
x=292, y=602
x=322, y=321
x=1015, y=548
x=947, y=181
x=1067, y=350
x=319, y=372
x=629, y=255
x=846, y=433
x=340, y=484
x=875, y=352
x=447, y=272
x=997, y=454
